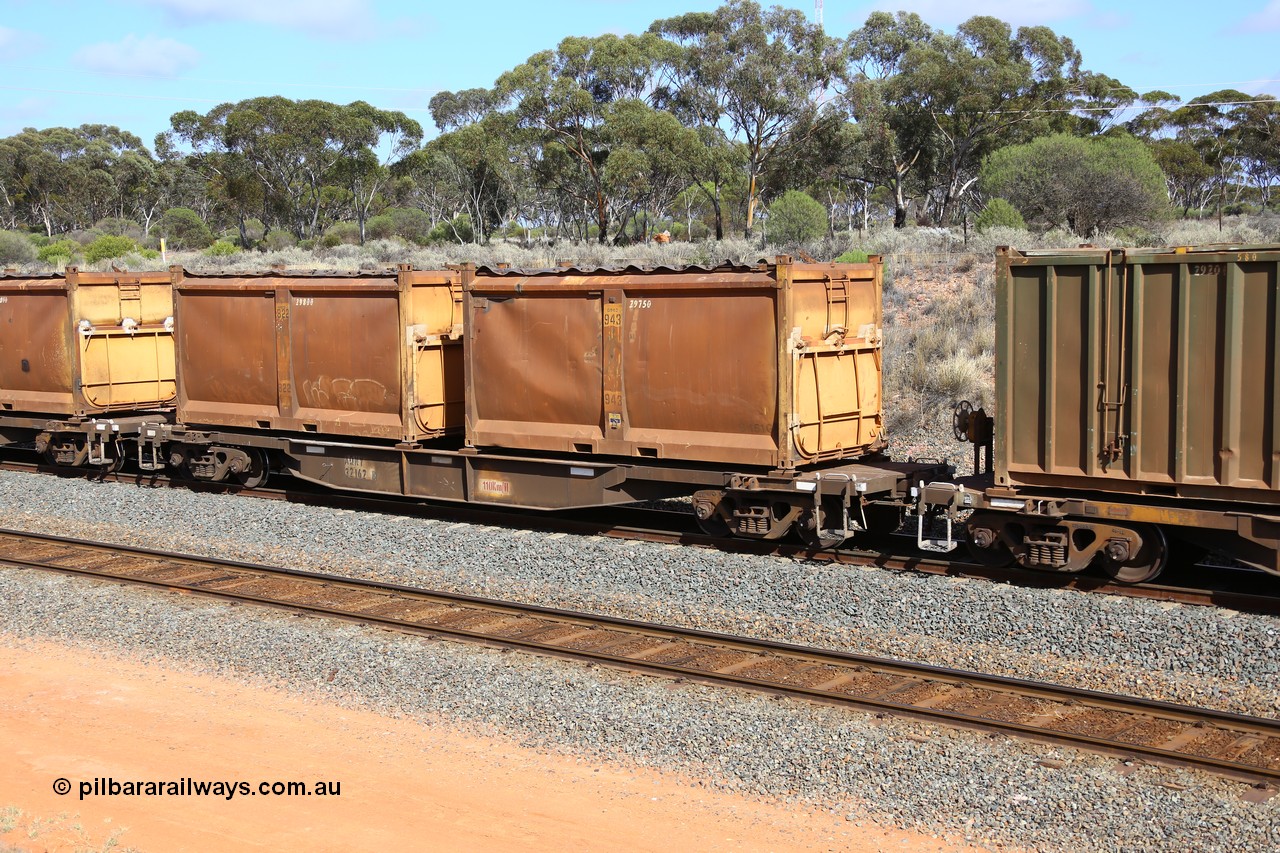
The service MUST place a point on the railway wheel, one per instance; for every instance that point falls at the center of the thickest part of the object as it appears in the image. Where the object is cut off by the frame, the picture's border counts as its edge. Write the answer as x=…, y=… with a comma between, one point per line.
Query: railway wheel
x=710, y=508
x=1124, y=564
x=255, y=475
x=810, y=528
x=984, y=545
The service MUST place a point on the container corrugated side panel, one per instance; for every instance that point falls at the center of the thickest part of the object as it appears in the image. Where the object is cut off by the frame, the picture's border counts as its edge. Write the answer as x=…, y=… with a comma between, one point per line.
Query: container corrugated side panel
x=1152, y=372
x=226, y=350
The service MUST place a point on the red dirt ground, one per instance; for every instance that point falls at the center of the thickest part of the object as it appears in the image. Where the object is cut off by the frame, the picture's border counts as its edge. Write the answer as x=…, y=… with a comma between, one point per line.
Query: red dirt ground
x=404, y=785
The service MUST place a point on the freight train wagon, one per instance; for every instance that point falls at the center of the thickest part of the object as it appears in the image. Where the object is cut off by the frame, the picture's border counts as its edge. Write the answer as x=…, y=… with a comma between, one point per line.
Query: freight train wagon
x=756, y=389
x=85, y=359
x=1137, y=422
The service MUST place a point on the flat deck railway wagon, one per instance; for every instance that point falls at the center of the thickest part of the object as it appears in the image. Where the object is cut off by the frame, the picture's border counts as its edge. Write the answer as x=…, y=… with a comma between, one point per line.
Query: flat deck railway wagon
x=85, y=358
x=1138, y=423
x=756, y=389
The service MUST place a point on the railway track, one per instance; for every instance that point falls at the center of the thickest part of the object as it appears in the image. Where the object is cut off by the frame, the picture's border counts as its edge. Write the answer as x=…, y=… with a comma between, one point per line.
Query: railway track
x=1233, y=745
x=1247, y=591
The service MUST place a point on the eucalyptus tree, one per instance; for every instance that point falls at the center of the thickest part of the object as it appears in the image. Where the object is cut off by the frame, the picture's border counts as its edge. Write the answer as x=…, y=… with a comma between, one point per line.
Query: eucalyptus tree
x=898, y=141
x=568, y=96
x=1088, y=184
x=1258, y=126
x=1210, y=125
x=759, y=74
x=938, y=103
x=296, y=150
x=469, y=169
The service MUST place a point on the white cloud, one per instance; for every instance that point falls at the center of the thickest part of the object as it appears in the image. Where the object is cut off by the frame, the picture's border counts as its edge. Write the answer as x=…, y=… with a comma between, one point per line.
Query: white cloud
x=326, y=17
x=1268, y=20
x=132, y=55
x=16, y=43
x=947, y=13
x=25, y=110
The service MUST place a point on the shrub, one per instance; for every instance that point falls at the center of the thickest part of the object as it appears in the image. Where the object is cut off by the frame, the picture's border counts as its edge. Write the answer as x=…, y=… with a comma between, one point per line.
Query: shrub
x=999, y=213
x=340, y=233
x=117, y=227
x=853, y=256
x=108, y=246
x=796, y=218
x=459, y=230
x=16, y=248
x=182, y=228
x=278, y=241
x=221, y=248
x=379, y=227
x=410, y=223
x=60, y=253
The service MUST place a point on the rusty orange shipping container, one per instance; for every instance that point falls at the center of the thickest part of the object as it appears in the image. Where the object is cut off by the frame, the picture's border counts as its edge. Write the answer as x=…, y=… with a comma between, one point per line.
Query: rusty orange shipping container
x=84, y=344
x=371, y=355
x=772, y=365
x=1140, y=371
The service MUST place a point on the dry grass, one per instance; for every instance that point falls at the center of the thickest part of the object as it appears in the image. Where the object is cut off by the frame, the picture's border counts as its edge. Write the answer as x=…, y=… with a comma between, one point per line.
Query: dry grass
x=939, y=342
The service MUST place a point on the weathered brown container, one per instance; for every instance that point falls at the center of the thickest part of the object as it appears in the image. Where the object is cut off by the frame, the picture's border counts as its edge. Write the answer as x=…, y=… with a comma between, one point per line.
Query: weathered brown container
x=772, y=365
x=372, y=355
x=83, y=343
x=1148, y=371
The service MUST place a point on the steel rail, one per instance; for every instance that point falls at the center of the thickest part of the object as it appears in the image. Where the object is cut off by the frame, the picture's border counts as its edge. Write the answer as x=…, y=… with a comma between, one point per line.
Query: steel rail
x=626, y=522
x=1225, y=743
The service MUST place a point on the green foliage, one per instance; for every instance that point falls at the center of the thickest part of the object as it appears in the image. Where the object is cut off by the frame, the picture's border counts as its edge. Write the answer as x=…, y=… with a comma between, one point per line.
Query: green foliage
x=118, y=227
x=183, y=229
x=379, y=227
x=796, y=218
x=108, y=246
x=998, y=213
x=1088, y=185
x=221, y=249
x=276, y=241
x=16, y=248
x=341, y=233
x=457, y=230
x=59, y=253
x=853, y=256
x=149, y=254
x=410, y=224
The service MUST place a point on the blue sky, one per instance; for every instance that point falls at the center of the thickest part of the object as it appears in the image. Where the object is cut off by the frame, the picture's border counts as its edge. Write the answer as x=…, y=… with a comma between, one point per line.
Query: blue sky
x=133, y=63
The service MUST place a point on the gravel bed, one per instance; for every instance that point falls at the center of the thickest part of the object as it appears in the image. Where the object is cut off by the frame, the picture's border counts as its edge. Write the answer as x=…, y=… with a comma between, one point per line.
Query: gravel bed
x=990, y=790
x=1192, y=655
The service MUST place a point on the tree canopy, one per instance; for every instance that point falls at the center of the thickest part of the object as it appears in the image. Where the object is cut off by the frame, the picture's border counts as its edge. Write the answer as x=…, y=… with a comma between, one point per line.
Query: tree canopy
x=695, y=125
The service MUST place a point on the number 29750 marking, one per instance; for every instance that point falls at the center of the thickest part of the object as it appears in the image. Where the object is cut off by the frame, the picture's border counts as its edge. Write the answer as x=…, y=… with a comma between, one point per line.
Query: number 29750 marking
x=641, y=303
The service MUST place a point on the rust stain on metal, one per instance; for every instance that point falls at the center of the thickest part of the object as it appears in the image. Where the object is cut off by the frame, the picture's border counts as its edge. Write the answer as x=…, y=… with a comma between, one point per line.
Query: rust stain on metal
x=86, y=343
x=772, y=365
x=372, y=355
